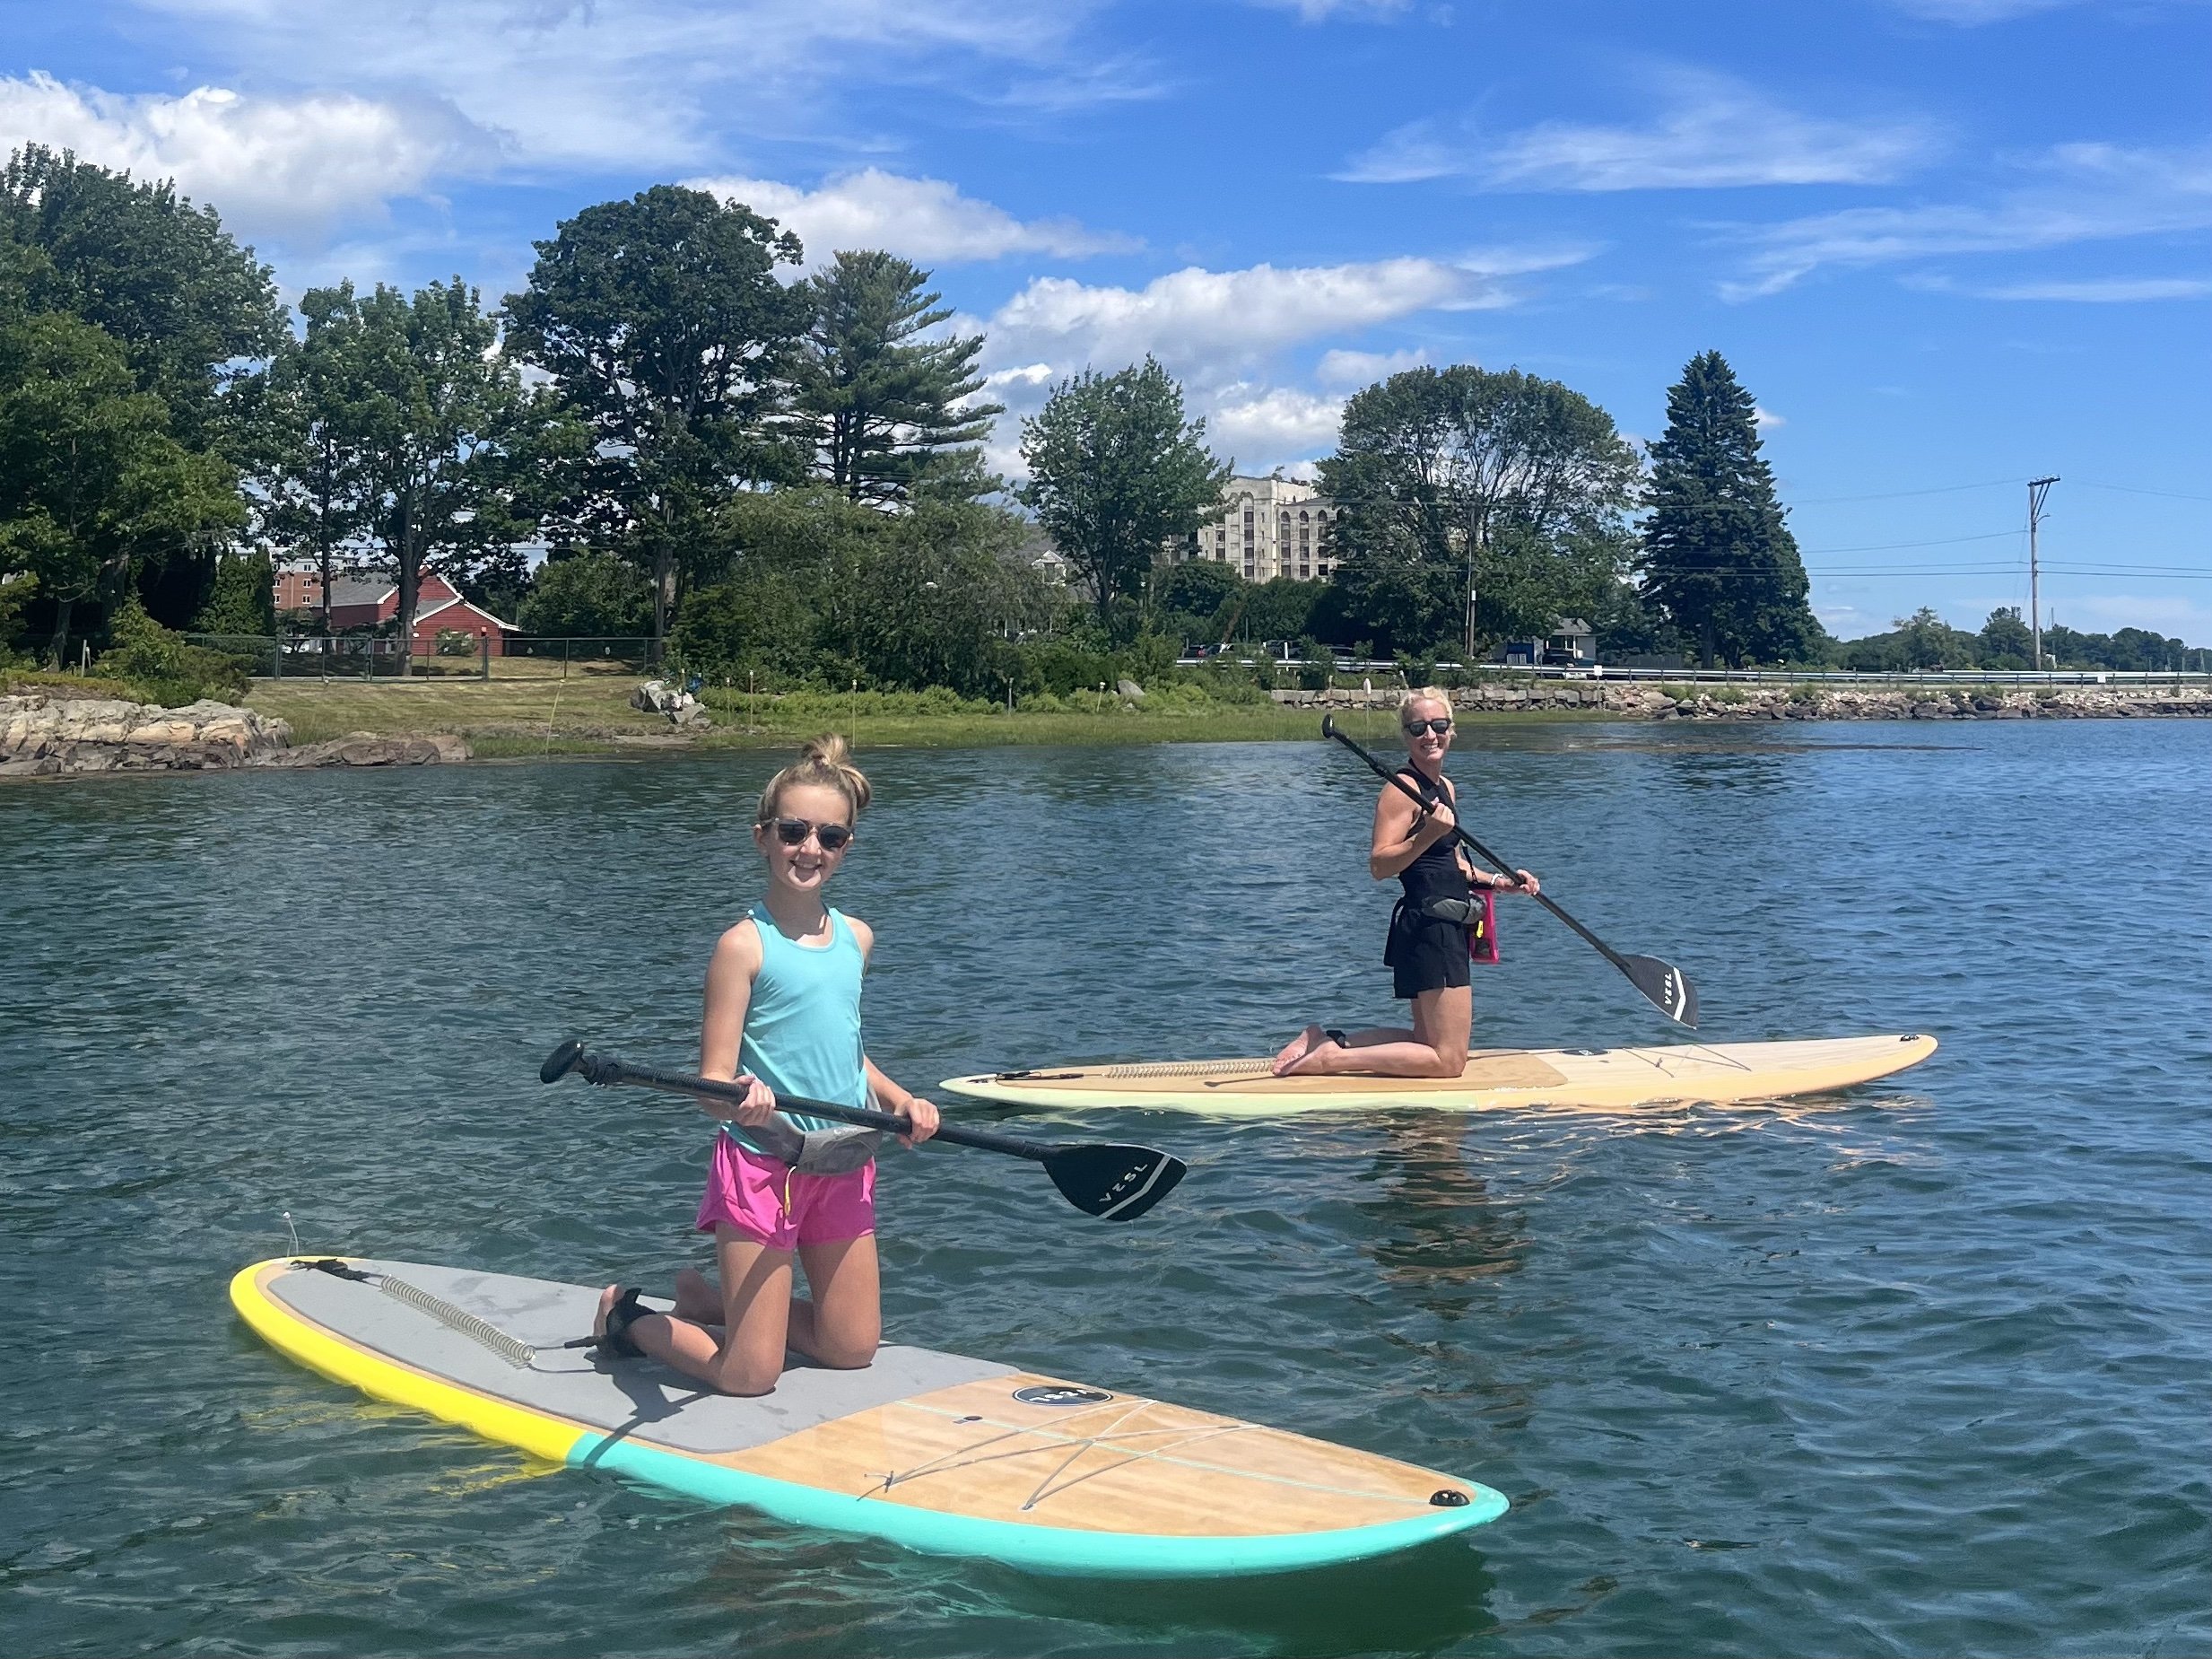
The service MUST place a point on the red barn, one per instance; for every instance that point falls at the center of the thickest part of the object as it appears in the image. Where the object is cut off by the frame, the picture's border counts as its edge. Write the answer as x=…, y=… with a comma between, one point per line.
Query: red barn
x=368, y=602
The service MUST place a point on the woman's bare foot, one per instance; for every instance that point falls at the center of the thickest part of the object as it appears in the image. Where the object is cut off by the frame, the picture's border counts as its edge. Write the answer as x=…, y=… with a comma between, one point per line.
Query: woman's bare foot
x=1299, y=1051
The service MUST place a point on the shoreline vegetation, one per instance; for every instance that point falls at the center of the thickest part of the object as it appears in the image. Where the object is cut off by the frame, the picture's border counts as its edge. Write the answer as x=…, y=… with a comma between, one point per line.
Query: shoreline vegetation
x=66, y=726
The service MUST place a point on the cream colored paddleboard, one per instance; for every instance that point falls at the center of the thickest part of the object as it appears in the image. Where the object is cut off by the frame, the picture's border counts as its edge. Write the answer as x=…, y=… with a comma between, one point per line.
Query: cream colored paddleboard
x=938, y=1452
x=1588, y=1078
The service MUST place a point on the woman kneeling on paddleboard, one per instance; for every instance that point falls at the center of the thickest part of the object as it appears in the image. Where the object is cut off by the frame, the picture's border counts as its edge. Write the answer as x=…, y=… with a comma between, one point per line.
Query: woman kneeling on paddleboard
x=1427, y=953
x=783, y=1014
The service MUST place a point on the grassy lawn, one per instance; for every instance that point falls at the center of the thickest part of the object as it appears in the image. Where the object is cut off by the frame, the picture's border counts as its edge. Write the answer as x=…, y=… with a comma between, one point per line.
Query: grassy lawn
x=591, y=713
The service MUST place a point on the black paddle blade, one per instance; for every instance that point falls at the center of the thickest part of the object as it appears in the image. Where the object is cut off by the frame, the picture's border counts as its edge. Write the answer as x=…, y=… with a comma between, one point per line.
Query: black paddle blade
x=560, y=1061
x=1114, y=1184
x=1667, y=985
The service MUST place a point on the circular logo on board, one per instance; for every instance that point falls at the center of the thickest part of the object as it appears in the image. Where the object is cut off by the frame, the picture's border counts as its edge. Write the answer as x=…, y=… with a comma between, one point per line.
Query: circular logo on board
x=1059, y=1394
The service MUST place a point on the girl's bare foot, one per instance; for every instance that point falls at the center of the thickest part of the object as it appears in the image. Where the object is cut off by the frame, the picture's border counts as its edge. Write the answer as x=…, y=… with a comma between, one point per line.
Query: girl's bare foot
x=1299, y=1050
x=607, y=1299
x=696, y=1299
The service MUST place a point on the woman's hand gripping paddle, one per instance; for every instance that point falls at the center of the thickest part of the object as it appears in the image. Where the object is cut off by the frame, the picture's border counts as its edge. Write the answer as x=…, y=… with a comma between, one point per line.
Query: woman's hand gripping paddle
x=1668, y=987
x=1112, y=1182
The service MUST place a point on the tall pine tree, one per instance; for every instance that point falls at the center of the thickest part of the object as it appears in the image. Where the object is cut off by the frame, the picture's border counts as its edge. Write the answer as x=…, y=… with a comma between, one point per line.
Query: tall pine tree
x=1718, y=558
x=887, y=411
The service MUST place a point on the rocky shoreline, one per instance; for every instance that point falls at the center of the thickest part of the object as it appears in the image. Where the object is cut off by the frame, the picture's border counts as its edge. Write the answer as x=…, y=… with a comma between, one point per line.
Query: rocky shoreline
x=1645, y=701
x=42, y=736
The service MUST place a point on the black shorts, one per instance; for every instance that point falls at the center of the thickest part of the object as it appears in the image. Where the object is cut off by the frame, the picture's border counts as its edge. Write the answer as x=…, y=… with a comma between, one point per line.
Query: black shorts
x=1423, y=954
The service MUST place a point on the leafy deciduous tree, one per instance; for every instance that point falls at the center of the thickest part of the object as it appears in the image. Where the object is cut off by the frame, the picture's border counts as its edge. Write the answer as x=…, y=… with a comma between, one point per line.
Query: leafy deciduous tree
x=91, y=481
x=662, y=321
x=1475, y=504
x=187, y=305
x=1115, y=473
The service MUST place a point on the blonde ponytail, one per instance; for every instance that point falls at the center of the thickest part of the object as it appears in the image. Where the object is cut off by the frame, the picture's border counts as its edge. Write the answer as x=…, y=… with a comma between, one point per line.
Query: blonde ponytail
x=826, y=763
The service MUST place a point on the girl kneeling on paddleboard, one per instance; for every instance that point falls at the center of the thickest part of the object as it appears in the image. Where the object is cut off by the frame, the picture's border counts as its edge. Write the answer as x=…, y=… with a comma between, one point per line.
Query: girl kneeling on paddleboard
x=1427, y=953
x=783, y=1014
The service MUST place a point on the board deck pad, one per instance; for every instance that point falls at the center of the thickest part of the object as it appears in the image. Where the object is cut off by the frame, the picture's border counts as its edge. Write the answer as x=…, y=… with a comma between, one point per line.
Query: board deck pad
x=934, y=1451
x=1586, y=1079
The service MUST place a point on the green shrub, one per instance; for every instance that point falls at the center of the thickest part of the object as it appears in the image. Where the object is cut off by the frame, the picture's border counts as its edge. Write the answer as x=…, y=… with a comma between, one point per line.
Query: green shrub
x=157, y=666
x=1805, y=694
x=453, y=643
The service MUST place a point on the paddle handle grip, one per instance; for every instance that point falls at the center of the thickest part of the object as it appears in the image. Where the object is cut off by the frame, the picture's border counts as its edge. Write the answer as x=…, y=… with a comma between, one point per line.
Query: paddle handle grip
x=605, y=1068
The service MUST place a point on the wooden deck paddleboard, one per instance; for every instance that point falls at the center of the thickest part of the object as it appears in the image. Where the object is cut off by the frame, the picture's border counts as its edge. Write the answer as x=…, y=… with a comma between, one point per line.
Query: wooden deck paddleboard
x=1586, y=1077
x=938, y=1452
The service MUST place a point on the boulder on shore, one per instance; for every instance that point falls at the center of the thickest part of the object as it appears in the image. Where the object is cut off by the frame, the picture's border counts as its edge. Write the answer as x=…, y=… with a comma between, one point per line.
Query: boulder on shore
x=44, y=736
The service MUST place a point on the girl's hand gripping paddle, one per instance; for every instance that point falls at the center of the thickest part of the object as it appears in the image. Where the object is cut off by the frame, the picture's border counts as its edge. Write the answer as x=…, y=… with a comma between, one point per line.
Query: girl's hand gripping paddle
x=1112, y=1182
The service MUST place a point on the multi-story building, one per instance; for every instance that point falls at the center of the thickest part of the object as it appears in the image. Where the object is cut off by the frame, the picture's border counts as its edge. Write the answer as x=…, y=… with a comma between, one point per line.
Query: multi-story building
x=1268, y=527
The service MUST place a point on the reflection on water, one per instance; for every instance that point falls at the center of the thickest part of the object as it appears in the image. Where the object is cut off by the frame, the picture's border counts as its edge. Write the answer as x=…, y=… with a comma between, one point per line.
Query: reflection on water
x=1914, y=1368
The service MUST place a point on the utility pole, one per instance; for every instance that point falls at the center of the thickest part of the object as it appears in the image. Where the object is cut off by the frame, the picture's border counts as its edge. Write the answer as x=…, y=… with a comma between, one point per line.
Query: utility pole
x=2037, y=489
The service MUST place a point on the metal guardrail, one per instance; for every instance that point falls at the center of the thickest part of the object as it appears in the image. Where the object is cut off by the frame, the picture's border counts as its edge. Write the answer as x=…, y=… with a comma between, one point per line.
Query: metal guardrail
x=1747, y=676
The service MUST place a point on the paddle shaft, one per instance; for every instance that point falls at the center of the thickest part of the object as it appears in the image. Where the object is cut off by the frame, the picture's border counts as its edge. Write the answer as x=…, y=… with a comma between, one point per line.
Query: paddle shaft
x=602, y=1069
x=1483, y=853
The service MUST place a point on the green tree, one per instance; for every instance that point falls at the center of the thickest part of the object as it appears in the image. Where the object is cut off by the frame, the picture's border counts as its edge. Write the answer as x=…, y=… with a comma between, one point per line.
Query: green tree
x=2005, y=642
x=1474, y=506
x=1116, y=473
x=91, y=482
x=1718, y=558
x=1198, y=600
x=587, y=592
x=189, y=308
x=1282, y=608
x=308, y=420
x=941, y=600
x=884, y=407
x=452, y=448
x=662, y=321
x=244, y=601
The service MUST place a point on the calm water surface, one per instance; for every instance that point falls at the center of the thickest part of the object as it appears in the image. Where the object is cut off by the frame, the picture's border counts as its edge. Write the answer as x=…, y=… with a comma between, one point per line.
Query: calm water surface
x=1919, y=1369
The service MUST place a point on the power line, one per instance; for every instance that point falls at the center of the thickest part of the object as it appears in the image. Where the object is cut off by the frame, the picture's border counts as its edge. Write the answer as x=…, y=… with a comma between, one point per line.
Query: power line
x=1891, y=496
x=2129, y=489
x=1892, y=547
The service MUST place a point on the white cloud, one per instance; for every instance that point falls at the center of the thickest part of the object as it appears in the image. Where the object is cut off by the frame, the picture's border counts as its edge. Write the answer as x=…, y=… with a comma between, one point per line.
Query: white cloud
x=1264, y=426
x=2087, y=193
x=1972, y=14
x=646, y=84
x=1205, y=325
x=1322, y=11
x=2088, y=291
x=287, y=167
x=926, y=220
x=1357, y=369
x=1718, y=134
x=1766, y=420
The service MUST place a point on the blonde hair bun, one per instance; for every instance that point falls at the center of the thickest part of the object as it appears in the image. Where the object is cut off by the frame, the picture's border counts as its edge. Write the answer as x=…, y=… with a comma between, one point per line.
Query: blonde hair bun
x=1425, y=693
x=826, y=763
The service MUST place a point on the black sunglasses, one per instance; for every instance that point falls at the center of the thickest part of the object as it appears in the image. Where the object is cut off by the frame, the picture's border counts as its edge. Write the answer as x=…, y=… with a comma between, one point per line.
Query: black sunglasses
x=794, y=832
x=1414, y=728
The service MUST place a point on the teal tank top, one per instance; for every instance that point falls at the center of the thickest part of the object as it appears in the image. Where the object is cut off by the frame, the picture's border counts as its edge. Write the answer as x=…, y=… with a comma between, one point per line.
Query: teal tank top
x=802, y=1032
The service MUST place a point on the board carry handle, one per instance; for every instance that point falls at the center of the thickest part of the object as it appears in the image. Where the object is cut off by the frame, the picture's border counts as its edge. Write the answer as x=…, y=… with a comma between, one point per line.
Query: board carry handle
x=1666, y=986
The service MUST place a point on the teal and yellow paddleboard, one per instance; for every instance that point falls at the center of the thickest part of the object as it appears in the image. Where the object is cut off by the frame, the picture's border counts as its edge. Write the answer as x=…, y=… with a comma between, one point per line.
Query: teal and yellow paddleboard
x=935, y=1452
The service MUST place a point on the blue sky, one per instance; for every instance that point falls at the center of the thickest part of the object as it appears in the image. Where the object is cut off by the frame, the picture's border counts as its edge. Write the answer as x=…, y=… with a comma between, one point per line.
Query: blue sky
x=1948, y=244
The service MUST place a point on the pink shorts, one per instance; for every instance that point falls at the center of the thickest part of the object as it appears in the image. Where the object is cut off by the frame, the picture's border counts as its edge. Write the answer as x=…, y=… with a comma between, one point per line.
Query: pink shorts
x=765, y=1199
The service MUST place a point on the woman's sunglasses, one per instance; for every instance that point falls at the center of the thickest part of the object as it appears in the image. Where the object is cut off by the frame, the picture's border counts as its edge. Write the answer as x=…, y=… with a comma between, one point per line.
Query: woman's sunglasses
x=794, y=832
x=1414, y=728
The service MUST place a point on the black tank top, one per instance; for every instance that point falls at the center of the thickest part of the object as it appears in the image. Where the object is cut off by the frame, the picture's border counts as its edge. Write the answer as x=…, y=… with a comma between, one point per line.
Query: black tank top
x=1436, y=873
